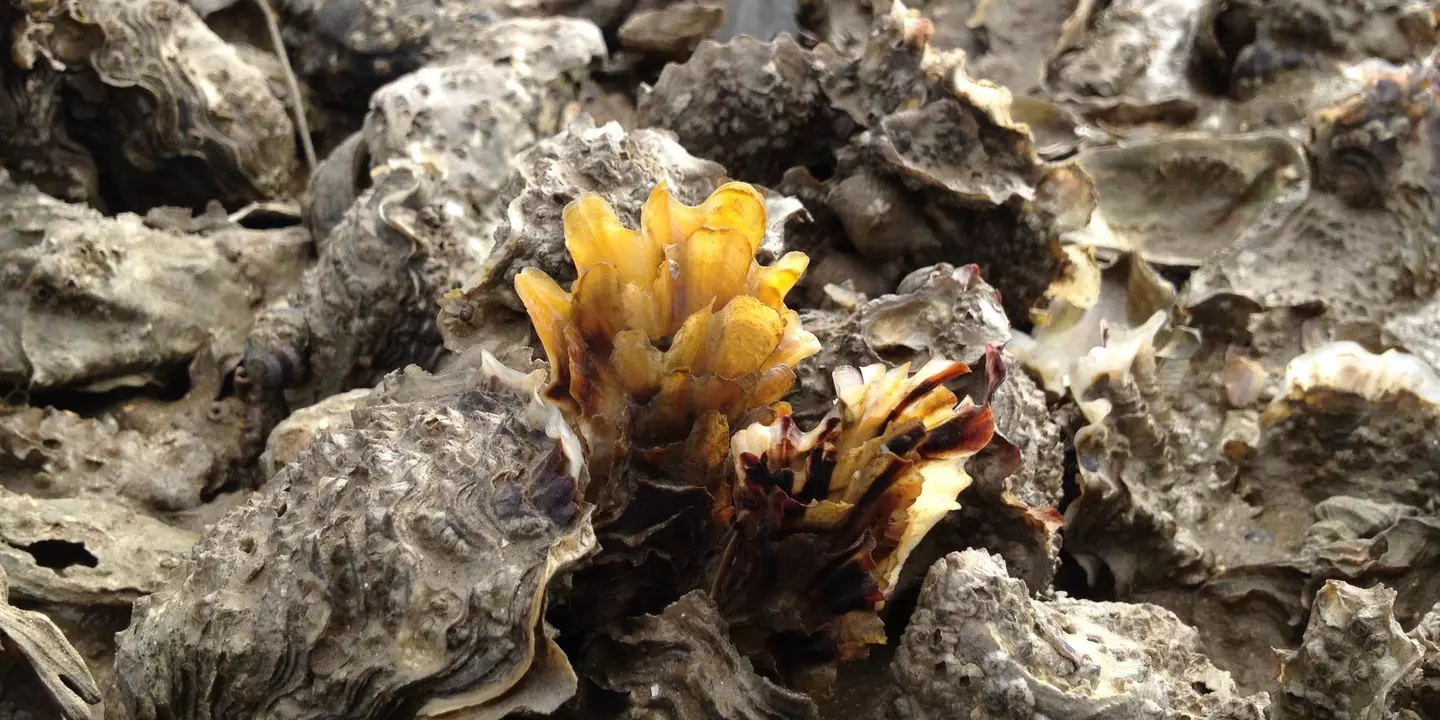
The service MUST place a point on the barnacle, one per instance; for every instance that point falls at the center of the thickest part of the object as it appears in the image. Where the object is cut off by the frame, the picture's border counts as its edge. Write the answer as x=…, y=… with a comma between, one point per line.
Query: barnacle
x=669, y=323
x=858, y=492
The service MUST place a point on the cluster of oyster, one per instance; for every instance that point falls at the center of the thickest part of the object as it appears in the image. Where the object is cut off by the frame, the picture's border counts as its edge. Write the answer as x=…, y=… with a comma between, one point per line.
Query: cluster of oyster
x=482, y=359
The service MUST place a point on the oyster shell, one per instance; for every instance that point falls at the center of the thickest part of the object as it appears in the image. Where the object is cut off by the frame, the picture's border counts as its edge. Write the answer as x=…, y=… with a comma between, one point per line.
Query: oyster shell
x=1246, y=45
x=85, y=551
x=460, y=504
x=673, y=30
x=1323, y=679
x=204, y=103
x=680, y=663
x=1124, y=62
x=1177, y=200
x=978, y=645
x=1086, y=308
x=424, y=215
x=712, y=101
x=106, y=302
x=1337, y=223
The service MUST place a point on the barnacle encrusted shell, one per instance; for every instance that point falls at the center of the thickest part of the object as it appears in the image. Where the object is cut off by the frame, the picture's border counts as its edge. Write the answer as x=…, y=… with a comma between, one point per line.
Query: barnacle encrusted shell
x=858, y=492
x=399, y=566
x=1360, y=144
x=1370, y=214
x=675, y=320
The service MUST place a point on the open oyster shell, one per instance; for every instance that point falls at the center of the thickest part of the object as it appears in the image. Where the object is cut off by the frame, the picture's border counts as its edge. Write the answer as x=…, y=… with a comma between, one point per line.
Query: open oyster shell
x=1178, y=199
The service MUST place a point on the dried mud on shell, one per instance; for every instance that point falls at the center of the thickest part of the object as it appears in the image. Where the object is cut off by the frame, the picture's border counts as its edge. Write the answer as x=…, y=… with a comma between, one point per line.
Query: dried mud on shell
x=719, y=359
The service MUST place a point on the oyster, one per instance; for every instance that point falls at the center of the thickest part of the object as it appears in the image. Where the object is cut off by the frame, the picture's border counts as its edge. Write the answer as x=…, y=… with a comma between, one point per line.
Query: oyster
x=1179, y=199
x=978, y=646
x=463, y=506
x=748, y=83
x=106, y=302
x=423, y=217
x=674, y=30
x=1124, y=62
x=1323, y=679
x=1244, y=46
x=1086, y=307
x=1357, y=161
x=681, y=663
x=204, y=103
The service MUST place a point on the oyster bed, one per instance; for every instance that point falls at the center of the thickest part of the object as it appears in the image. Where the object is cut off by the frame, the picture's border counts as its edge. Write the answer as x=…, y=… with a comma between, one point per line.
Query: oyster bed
x=722, y=359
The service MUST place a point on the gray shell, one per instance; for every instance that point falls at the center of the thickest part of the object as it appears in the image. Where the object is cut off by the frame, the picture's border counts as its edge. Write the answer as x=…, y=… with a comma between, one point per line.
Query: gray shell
x=204, y=103
x=85, y=551
x=681, y=664
x=715, y=101
x=395, y=564
x=426, y=176
x=97, y=301
x=978, y=646
x=65, y=683
x=1353, y=655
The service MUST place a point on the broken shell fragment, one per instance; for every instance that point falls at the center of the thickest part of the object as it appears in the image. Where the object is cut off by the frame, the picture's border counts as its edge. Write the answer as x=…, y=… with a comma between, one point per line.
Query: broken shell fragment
x=59, y=669
x=823, y=521
x=1322, y=376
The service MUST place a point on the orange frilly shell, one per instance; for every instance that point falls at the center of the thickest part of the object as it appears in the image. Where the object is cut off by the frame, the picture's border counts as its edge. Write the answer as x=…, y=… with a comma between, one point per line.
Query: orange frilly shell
x=669, y=322
x=878, y=472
